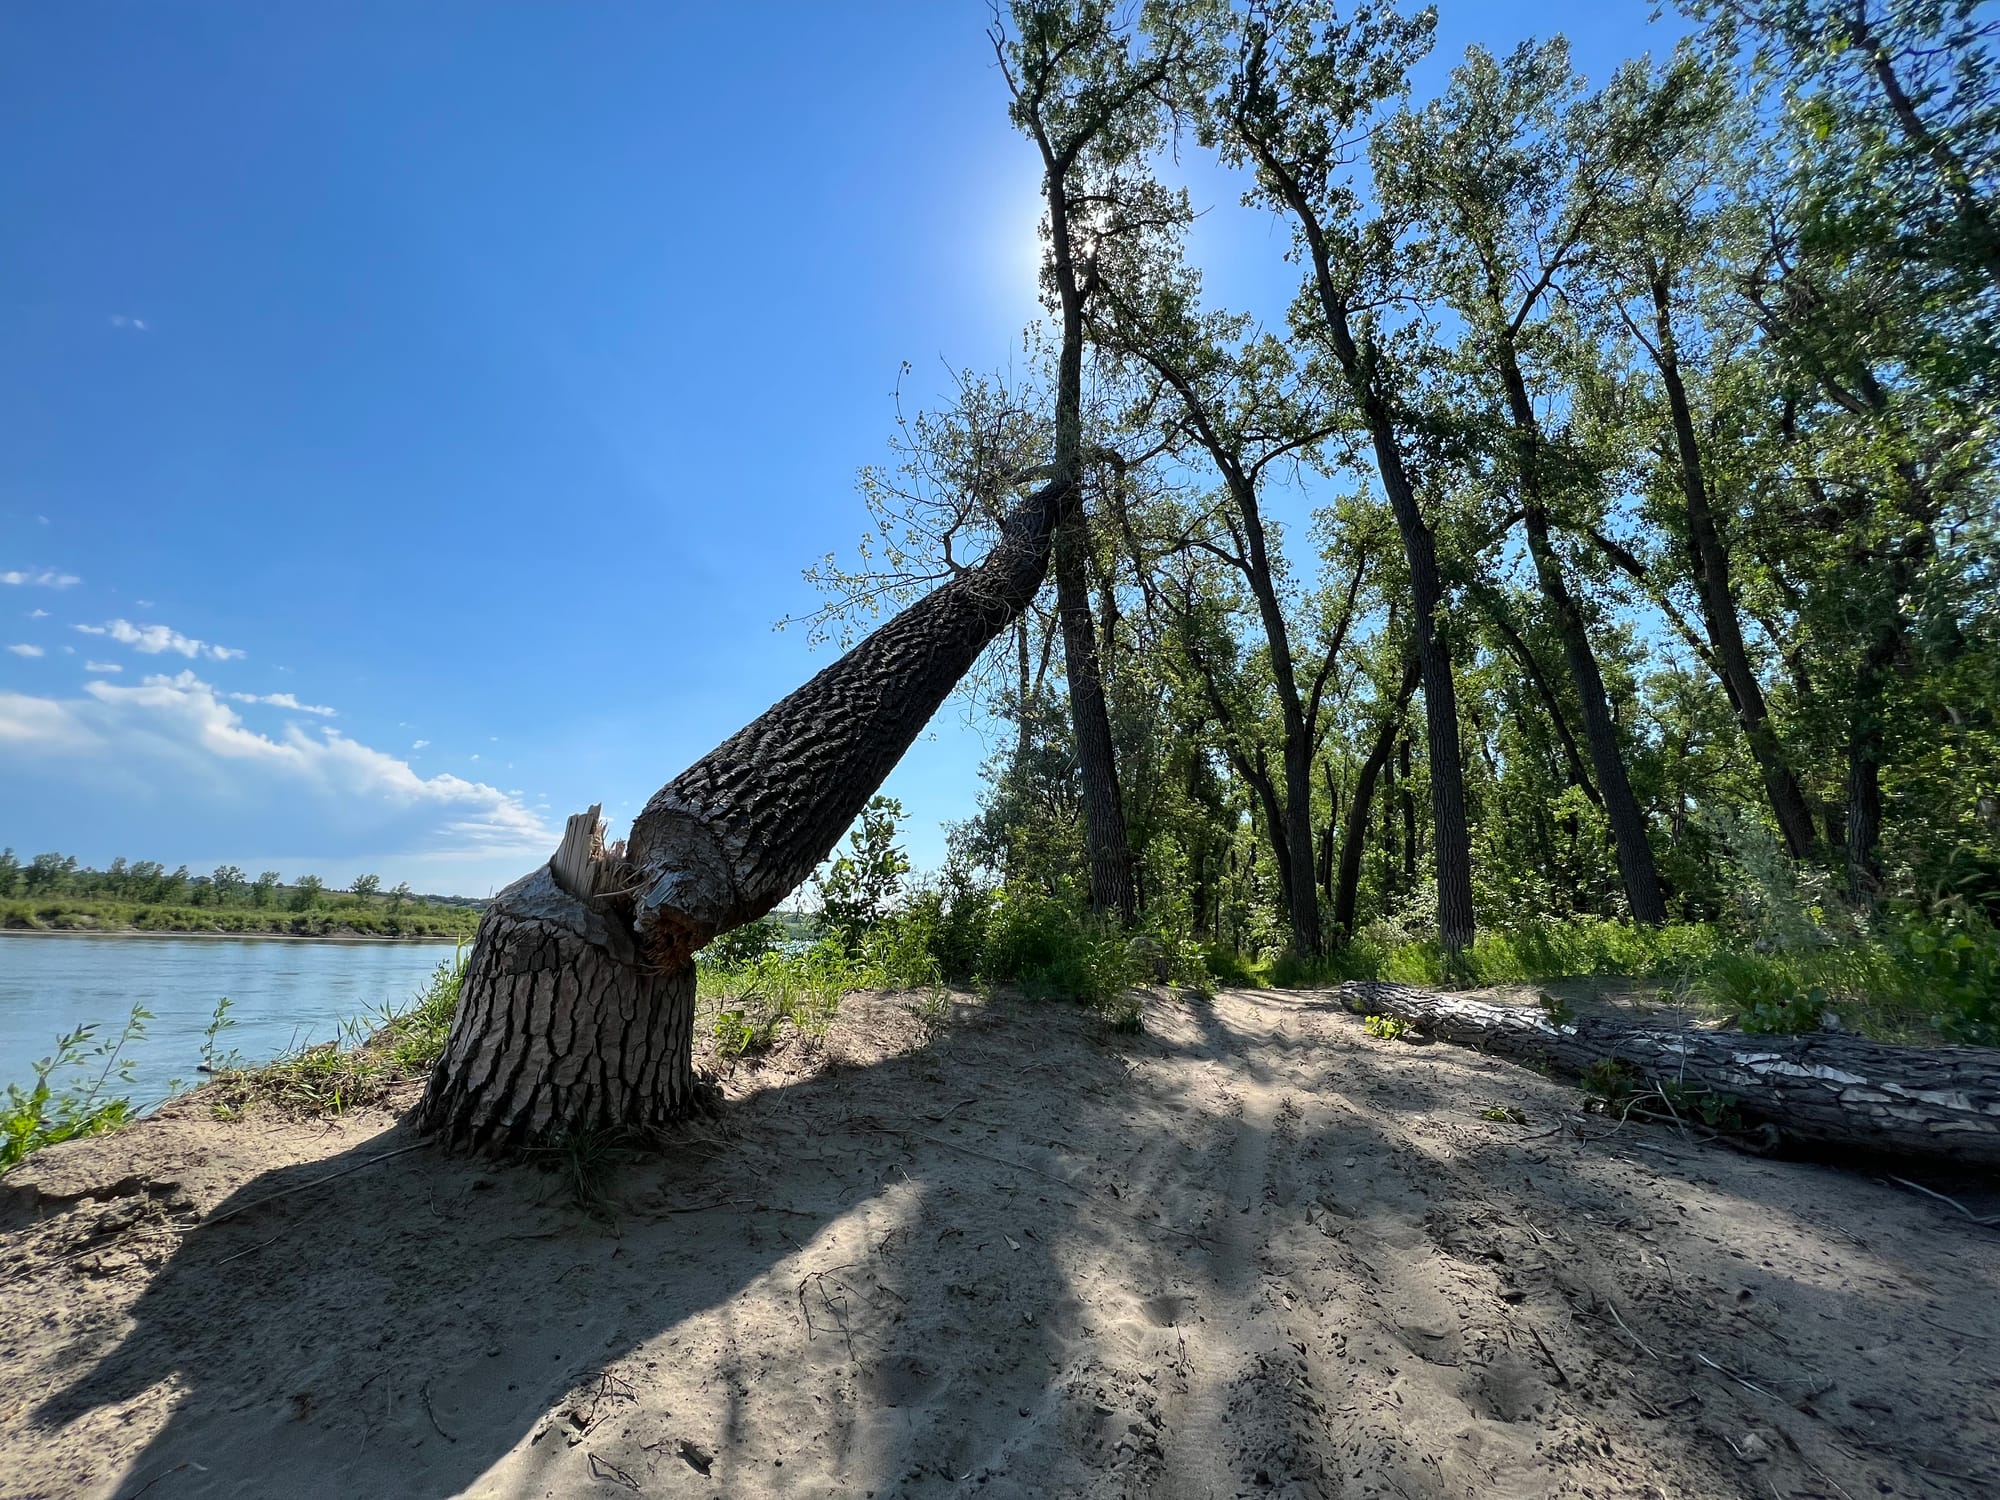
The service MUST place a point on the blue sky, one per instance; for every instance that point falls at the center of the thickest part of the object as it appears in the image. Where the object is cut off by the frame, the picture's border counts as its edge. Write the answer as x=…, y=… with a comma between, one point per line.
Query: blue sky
x=416, y=417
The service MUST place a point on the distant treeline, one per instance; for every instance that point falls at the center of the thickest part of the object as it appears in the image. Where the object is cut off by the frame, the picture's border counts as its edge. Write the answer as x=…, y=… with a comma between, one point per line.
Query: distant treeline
x=59, y=891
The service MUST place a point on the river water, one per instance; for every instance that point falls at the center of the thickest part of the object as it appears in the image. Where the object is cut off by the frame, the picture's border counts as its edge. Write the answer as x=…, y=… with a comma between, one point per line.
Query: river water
x=285, y=993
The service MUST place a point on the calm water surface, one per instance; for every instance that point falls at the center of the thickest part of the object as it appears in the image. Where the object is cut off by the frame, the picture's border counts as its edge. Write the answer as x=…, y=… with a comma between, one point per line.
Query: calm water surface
x=285, y=994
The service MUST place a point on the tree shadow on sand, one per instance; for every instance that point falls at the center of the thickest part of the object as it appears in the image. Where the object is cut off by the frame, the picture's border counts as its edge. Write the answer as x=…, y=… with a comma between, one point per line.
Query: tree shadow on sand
x=1026, y=1258
x=401, y=1329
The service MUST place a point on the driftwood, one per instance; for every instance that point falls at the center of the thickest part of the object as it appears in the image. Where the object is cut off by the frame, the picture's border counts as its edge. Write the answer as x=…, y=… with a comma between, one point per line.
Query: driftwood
x=1825, y=1089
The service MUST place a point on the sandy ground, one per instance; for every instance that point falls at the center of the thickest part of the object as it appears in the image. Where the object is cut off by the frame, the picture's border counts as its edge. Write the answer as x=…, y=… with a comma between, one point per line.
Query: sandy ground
x=1250, y=1252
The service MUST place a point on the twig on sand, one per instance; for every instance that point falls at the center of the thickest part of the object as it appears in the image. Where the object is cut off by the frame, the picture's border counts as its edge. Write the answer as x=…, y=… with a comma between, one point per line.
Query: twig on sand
x=253, y=1249
x=1748, y=1385
x=604, y=1469
x=1547, y=1354
x=1613, y=1310
x=244, y=1208
x=839, y=1314
x=1987, y=1222
x=424, y=1391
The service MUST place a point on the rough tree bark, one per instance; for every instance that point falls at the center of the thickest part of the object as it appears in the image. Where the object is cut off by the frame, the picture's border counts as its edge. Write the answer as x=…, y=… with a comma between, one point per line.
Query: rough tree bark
x=1824, y=1089
x=578, y=1005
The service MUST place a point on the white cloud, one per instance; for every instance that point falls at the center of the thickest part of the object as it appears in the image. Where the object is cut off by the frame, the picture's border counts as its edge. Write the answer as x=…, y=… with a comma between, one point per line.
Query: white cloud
x=121, y=320
x=143, y=603
x=38, y=614
x=25, y=650
x=283, y=700
x=40, y=723
x=420, y=744
x=40, y=578
x=177, y=745
x=152, y=640
x=102, y=666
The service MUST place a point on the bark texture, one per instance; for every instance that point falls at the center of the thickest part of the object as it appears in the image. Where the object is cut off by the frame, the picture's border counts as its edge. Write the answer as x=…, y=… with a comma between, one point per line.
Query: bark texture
x=562, y=1027
x=577, y=1010
x=726, y=840
x=1822, y=1090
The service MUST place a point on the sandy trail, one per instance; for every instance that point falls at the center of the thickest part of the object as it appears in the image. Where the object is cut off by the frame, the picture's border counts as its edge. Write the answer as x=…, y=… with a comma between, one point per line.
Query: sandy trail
x=1251, y=1252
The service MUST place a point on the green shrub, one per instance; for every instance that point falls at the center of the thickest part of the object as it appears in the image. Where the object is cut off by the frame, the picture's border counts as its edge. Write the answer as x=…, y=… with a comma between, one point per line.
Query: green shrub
x=1233, y=969
x=1589, y=947
x=1913, y=976
x=1041, y=945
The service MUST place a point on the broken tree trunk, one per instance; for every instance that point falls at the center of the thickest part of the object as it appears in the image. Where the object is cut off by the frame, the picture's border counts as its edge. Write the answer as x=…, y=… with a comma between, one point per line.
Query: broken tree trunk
x=577, y=1010
x=1822, y=1089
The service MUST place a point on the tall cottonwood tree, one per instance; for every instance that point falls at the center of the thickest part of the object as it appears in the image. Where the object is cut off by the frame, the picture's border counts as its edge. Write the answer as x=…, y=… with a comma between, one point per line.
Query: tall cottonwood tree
x=1235, y=398
x=1306, y=87
x=1665, y=222
x=1502, y=184
x=1095, y=91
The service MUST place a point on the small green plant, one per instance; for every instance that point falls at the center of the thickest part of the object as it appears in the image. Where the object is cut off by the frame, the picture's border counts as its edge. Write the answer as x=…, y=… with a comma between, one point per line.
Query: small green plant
x=1124, y=1013
x=1500, y=1114
x=1610, y=1085
x=51, y=1110
x=1716, y=1111
x=931, y=1009
x=587, y=1160
x=219, y=1022
x=1387, y=1028
x=738, y=1034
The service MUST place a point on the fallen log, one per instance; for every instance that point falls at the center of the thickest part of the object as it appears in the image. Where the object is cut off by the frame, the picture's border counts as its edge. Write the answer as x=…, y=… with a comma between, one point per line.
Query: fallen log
x=1824, y=1089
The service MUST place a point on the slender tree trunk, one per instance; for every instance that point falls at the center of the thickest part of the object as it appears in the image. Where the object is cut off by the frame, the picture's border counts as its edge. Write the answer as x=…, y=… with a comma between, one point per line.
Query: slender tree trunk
x=578, y=1004
x=1711, y=567
x=1302, y=893
x=1409, y=810
x=1551, y=704
x=1864, y=768
x=1354, y=838
x=1621, y=807
x=1104, y=836
x=1360, y=367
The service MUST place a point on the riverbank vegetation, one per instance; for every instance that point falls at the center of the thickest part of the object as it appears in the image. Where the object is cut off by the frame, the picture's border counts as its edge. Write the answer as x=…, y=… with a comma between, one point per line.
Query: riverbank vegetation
x=57, y=893
x=1594, y=570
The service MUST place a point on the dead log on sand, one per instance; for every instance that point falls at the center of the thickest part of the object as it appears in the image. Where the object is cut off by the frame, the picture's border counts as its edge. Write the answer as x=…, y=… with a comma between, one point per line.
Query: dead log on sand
x=1824, y=1089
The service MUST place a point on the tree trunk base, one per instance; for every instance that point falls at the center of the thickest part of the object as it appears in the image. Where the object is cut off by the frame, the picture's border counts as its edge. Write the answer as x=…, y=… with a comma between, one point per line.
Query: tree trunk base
x=1823, y=1090
x=562, y=1026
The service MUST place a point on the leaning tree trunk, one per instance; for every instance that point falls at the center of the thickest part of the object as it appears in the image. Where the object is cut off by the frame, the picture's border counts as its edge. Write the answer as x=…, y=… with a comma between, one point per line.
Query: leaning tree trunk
x=577, y=1010
x=1818, y=1090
